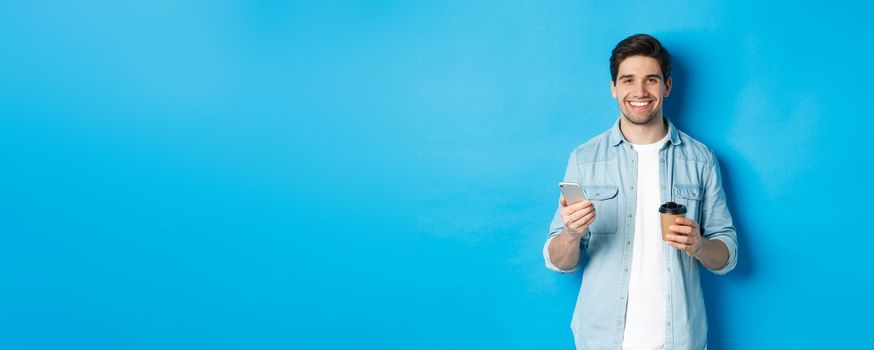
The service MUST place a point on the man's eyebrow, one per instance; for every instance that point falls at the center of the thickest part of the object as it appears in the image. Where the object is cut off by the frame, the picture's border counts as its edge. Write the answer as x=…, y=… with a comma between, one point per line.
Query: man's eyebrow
x=632, y=76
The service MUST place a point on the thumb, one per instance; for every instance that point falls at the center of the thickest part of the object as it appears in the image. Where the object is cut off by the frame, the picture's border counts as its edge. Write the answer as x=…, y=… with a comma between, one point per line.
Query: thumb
x=562, y=202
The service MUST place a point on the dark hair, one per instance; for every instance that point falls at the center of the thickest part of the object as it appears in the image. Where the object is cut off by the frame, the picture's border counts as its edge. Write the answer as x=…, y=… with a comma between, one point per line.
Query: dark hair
x=640, y=45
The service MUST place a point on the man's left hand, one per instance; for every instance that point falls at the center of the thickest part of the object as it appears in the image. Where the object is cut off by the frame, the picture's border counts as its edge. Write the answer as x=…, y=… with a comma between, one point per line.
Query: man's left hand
x=685, y=235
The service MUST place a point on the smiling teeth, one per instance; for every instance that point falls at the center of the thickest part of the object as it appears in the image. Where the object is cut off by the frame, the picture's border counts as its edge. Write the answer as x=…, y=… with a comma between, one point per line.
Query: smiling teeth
x=639, y=104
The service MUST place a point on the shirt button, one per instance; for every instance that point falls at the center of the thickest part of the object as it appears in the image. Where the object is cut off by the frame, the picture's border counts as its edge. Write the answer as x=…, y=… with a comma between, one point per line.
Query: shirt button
x=629, y=215
x=628, y=243
x=632, y=188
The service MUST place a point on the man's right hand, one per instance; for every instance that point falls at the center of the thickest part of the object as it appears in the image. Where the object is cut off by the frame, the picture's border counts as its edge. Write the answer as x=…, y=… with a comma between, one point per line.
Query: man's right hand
x=577, y=217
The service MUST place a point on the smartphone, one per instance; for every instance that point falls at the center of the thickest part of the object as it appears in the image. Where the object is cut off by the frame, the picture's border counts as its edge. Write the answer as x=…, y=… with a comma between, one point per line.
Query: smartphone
x=572, y=192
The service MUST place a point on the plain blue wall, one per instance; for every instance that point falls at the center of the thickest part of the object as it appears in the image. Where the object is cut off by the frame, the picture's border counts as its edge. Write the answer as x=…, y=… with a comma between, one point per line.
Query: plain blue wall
x=256, y=174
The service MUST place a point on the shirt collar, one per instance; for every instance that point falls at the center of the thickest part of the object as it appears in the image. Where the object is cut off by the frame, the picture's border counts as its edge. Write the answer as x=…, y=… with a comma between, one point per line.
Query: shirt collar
x=616, y=136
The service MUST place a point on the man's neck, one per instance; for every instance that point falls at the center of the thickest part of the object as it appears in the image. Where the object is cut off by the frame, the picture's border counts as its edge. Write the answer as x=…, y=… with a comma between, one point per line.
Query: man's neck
x=643, y=134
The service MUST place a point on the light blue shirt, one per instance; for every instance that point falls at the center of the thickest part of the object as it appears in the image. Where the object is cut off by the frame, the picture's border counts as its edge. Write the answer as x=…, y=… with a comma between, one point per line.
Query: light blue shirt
x=606, y=167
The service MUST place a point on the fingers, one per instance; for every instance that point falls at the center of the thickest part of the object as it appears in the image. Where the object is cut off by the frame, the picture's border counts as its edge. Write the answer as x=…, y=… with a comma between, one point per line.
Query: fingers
x=682, y=239
x=583, y=222
x=684, y=236
x=581, y=205
x=686, y=222
x=562, y=202
x=592, y=220
x=681, y=229
x=580, y=213
x=680, y=246
x=682, y=242
x=569, y=210
x=576, y=216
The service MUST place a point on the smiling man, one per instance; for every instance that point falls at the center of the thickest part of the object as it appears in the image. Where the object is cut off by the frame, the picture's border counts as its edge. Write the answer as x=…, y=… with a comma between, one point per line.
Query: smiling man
x=640, y=289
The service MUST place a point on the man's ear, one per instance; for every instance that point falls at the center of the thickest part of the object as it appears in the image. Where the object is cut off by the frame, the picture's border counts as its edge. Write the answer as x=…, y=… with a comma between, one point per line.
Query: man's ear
x=613, y=88
x=668, y=84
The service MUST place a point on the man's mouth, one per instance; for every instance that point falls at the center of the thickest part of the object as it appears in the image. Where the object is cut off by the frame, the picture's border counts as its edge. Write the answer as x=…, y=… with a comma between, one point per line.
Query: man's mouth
x=639, y=105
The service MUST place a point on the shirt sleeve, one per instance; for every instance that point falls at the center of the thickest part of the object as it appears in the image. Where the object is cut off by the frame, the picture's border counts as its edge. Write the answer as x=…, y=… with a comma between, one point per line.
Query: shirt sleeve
x=716, y=222
x=557, y=225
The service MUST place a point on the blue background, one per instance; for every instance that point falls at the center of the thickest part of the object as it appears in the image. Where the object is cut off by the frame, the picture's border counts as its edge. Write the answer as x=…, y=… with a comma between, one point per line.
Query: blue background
x=256, y=174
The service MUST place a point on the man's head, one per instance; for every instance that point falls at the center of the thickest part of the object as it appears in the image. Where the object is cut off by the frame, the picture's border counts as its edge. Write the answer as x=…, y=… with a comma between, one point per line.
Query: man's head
x=640, y=69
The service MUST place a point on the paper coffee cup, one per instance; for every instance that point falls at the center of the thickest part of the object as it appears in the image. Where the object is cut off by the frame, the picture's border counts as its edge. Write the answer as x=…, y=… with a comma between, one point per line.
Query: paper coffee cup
x=670, y=211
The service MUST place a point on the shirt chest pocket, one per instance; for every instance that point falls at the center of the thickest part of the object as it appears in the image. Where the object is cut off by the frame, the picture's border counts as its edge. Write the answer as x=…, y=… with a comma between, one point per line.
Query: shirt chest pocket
x=689, y=195
x=603, y=197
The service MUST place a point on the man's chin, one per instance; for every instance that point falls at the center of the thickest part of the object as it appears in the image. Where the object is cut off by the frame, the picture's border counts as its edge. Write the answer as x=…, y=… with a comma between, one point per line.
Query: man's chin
x=640, y=120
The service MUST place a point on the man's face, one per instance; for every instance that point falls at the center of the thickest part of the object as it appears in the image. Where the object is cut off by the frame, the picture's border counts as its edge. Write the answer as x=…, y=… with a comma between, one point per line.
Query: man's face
x=640, y=90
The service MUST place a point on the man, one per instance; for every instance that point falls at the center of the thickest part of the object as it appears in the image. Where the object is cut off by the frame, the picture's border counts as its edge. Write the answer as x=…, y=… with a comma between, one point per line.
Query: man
x=638, y=290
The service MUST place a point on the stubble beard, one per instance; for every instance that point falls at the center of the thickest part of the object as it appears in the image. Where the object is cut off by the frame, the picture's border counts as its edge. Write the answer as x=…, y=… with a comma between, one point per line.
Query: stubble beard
x=651, y=118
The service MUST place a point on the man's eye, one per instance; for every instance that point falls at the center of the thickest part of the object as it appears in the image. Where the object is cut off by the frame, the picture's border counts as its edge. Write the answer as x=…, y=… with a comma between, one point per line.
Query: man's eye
x=626, y=81
x=653, y=80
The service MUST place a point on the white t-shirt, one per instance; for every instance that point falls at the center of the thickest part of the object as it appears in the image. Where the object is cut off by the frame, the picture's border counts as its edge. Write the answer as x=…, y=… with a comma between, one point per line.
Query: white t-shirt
x=646, y=313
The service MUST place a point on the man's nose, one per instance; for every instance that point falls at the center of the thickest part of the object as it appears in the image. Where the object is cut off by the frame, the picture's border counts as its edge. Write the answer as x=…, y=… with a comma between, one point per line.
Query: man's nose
x=639, y=89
